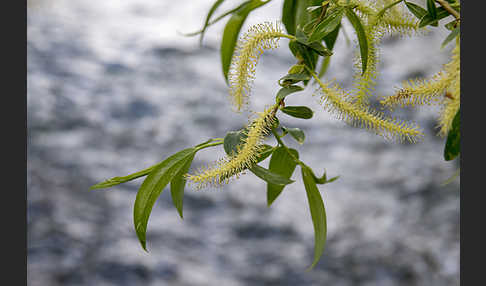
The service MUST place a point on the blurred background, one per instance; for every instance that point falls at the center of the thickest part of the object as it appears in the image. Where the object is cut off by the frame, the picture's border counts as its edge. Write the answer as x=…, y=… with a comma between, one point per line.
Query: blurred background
x=113, y=87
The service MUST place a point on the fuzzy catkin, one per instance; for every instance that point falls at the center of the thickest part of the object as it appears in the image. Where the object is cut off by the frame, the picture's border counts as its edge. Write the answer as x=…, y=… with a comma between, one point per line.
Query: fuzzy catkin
x=245, y=156
x=428, y=91
x=336, y=101
x=248, y=50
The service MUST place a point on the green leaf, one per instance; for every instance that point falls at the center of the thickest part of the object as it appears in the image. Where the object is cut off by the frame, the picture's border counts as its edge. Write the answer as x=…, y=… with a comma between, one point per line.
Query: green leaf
x=324, y=66
x=296, y=133
x=178, y=184
x=302, y=38
x=318, y=214
x=119, y=180
x=265, y=152
x=328, y=25
x=208, y=17
x=302, y=16
x=452, y=35
x=288, y=15
x=330, y=39
x=284, y=91
x=270, y=177
x=283, y=164
x=322, y=180
x=292, y=78
x=432, y=10
x=429, y=20
x=418, y=11
x=451, y=25
x=301, y=51
x=453, y=143
x=360, y=32
x=232, y=30
x=153, y=186
x=232, y=140
x=320, y=49
x=303, y=112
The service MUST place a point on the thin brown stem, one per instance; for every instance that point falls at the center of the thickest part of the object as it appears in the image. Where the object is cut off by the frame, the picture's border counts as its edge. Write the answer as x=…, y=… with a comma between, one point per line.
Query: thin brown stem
x=449, y=9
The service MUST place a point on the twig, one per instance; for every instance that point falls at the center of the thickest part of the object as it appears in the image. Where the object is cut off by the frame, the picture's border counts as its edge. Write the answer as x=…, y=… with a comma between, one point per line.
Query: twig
x=449, y=9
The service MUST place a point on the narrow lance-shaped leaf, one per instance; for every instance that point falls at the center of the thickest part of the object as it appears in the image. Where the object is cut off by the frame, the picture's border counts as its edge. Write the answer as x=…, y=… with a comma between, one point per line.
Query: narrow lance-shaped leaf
x=288, y=15
x=296, y=133
x=360, y=32
x=293, y=78
x=429, y=20
x=232, y=30
x=178, y=184
x=330, y=40
x=269, y=176
x=418, y=11
x=119, y=180
x=452, y=35
x=301, y=51
x=283, y=164
x=208, y=17
x=432, y=9
x=327, y=26
x=318, y=214
x=153, y=186
x=323, y=180
x=303, y=112
x=302, y=16
x=284, y=91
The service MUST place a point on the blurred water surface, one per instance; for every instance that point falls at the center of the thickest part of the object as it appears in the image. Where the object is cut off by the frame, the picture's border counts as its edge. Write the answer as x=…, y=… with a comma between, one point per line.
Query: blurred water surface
x=113, y=88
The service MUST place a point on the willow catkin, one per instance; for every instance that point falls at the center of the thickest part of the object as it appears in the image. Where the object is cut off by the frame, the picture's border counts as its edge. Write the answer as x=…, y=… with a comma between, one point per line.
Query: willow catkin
x=248, y=50
x=245, y=156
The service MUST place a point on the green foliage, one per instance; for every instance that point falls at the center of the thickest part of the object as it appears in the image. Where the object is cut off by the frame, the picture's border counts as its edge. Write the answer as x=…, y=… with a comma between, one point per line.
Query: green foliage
x=318, y=213
x=232, y=30
x=303, y=112
x=360, y=32
x=312, y=29
x=282, y=162
x=153, y=186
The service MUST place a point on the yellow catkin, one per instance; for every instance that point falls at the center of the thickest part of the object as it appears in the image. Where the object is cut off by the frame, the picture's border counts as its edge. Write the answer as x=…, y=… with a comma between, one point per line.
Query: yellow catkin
x=393, y=21
x=364, y=83
x=420, y=92
x=338, y=102
x=245, y=157
x=397, y=20
x=250, y=46
x=453, y=102
x=429, y=91
x=449, y=110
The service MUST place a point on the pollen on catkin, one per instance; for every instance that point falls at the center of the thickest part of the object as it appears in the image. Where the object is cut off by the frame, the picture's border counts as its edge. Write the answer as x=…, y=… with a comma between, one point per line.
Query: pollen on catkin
x=452, y=103
x=428, y=91
x=449, y=109
x=338, y=102
x=394, y=21
x=248, y=50
x=364, y=83
x=398, y=21
x=245, y=157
